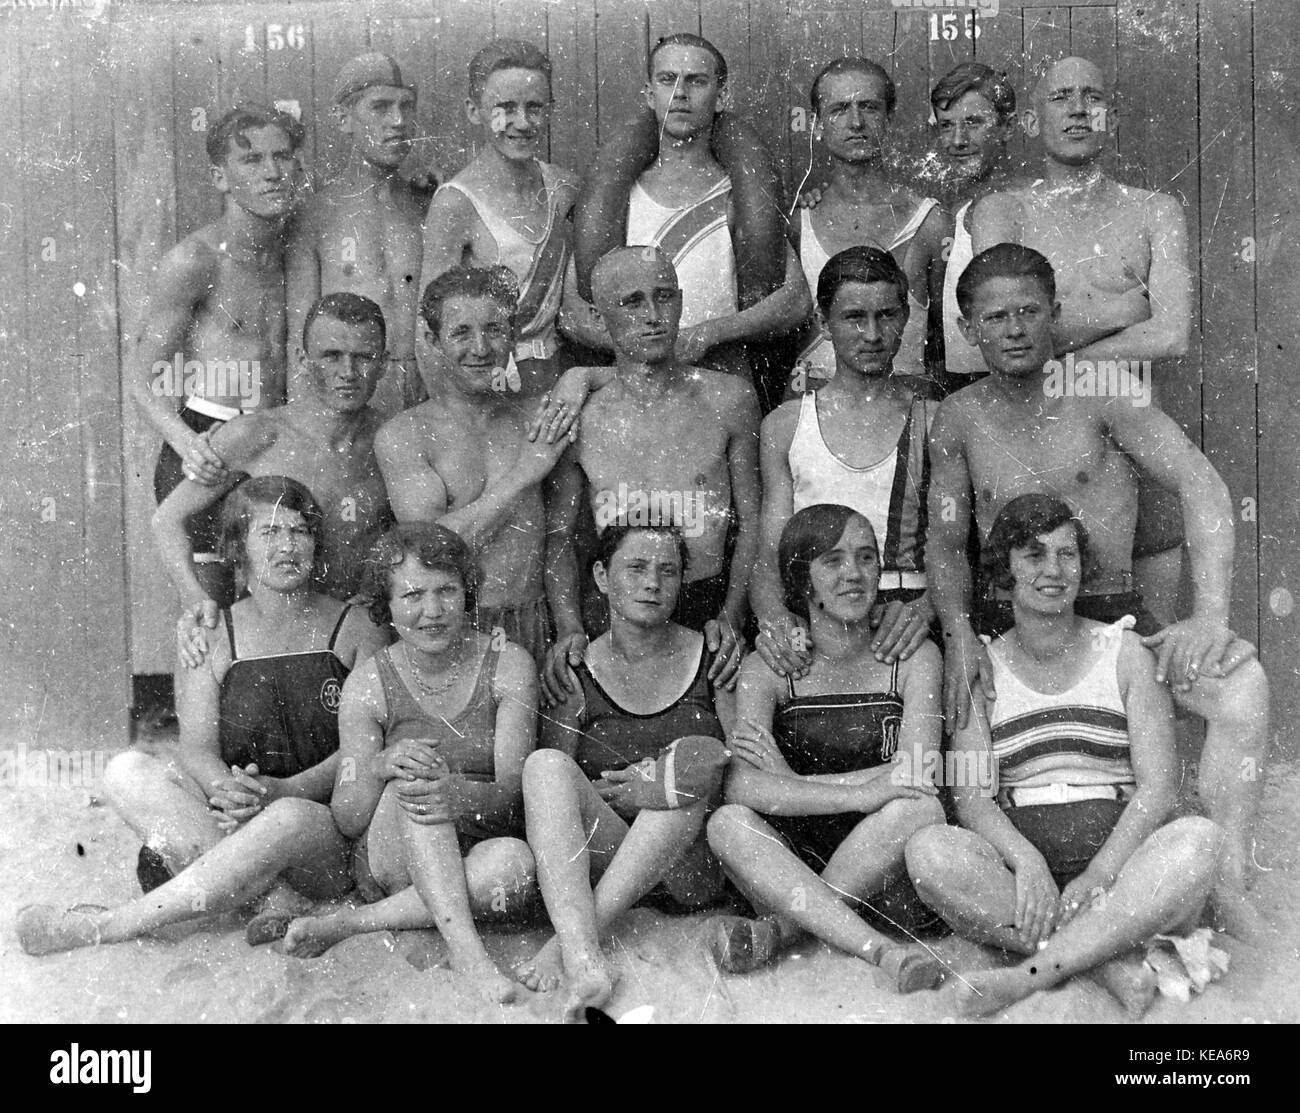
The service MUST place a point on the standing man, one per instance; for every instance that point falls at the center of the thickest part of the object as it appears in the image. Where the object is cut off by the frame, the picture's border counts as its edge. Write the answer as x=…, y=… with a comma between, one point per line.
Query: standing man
x=508, y=207
x=853, y=102
x=663, y=444
x=213, y=330
x=1120, y=255
x=974, y=116
x=686, y=204
x=362, y=233
x=463, y=459
x=324, y=440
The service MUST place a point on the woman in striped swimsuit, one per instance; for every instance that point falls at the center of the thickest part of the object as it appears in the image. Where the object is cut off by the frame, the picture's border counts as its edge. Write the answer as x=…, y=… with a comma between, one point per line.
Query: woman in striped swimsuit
x=1063, y=854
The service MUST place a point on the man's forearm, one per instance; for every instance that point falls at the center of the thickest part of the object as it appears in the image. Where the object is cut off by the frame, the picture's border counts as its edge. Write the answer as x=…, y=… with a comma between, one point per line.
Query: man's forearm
x=1154, y=338
x=562, y=588
x=742, y=571
x=480, y=519
x=177, y=555
x=1210, y=543
x=949, y=586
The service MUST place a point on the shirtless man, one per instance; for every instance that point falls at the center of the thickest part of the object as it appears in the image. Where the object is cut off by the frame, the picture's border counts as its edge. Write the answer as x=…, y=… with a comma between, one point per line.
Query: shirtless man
x=213, y=330
x=1121, y=256
x=682, y=204
x=857, y=441
x=464, y=459
x=362, y=231
x=324, y=440
x=508, y=207
x=663, y=443
x=974, y=111
x=1006, y=436
x=853, y=101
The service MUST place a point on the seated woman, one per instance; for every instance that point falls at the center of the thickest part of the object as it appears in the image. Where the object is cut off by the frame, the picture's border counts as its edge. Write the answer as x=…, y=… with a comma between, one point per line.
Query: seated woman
x=1068, y=860
x=634, y=763
x=827, y=778
x=435, y=730
x=243, y=802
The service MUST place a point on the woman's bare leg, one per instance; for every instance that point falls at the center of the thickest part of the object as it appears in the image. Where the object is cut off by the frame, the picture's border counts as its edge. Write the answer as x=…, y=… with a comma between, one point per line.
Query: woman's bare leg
x=163, y=805
x=1162, y=885
x=499, y=874
x=288, y=834
x=771, y=875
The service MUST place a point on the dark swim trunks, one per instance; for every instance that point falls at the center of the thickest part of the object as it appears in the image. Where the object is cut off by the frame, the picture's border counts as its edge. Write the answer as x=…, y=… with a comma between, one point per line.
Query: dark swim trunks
x=700, y=601
x=203, y=528
x=1159, y=519
x=1068, y=836
x=994, y=616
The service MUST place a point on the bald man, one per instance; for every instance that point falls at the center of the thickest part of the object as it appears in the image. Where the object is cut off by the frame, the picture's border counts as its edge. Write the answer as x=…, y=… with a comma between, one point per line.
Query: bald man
x=664, y=443
x=1123, y=279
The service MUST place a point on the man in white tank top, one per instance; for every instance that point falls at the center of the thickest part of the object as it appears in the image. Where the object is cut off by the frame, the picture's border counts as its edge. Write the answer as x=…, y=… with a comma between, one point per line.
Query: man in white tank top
x=853, y=100
x=508, y=208
x=682, y=205
x=858, y=441
x=974, y=111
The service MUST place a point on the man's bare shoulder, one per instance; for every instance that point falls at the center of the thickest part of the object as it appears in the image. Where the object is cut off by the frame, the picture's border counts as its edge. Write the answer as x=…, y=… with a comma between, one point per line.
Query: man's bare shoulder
x=957, y=412
x=779, y=425
x=725, y=391
x=196, y=258
x=566, y=182
x=1157, y=208
x=410, y=427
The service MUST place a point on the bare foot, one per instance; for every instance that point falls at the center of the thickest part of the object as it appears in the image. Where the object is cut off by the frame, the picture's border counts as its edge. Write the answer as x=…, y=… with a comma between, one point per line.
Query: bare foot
x=44, y=928
x=985, y=992
x=545, y=970
x=908, y=969
x=487, y=981
x=1130, y=981
x=591, y=985
x=312, y=936
x=739, y=945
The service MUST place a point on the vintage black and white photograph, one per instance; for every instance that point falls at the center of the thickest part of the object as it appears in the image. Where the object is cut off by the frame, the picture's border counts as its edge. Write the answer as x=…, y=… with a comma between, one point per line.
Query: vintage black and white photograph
x=650, y=511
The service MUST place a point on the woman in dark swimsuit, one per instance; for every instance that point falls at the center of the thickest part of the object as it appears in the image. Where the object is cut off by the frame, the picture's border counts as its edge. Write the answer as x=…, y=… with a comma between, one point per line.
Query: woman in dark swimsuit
x=243, y=803
x=827, y=778
x=435, y=730
x=633, y=765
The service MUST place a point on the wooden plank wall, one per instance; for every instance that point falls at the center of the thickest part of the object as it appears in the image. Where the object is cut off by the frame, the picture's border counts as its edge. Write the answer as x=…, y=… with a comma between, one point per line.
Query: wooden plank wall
x=120, y=174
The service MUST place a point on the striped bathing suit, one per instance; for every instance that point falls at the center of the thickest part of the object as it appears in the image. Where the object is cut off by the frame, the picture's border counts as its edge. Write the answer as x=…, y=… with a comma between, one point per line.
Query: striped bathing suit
x=1076, y=737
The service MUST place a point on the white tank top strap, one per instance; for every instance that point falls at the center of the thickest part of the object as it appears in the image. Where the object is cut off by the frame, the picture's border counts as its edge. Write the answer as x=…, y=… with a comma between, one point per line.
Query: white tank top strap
x=812, y=256
x=909, y=230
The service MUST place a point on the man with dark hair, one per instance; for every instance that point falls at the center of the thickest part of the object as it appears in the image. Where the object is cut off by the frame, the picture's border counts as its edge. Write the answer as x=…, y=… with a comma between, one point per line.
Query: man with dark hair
x=212, y=333
x=858, y=441
x=362, y=231
x=1120, y=256
x=974, y=110
x=662, y=183
x=324, y=440
x=862, y=204
x=508, y=207
x=1007, y=435
x=464, y=458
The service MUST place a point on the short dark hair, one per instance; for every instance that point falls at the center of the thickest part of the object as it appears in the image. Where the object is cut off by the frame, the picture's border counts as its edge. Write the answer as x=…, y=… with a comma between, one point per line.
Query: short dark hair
x=497, y=283
x=859, y=264
x=505, y=54
x=1019, y=524
x=612, y=537
x=243, y=118
x=351, y=309
x=852, y=65
x=685, y=39
x=1003, y=260
x=975, y=77
x=265, y=490
x=435, y=547
x=810, y=533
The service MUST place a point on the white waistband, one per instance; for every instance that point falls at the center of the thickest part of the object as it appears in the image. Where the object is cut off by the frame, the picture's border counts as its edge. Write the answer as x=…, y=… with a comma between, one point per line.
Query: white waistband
x=901, y=581
x=1030, y=795
x=211, y=409
x=540, y=347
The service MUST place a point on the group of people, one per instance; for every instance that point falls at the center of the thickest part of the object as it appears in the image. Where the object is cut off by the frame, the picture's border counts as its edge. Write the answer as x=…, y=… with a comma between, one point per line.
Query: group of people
x=466, y=605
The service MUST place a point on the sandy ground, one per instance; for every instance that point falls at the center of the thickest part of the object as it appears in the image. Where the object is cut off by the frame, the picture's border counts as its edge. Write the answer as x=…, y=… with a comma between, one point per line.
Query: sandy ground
x=61, y=845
